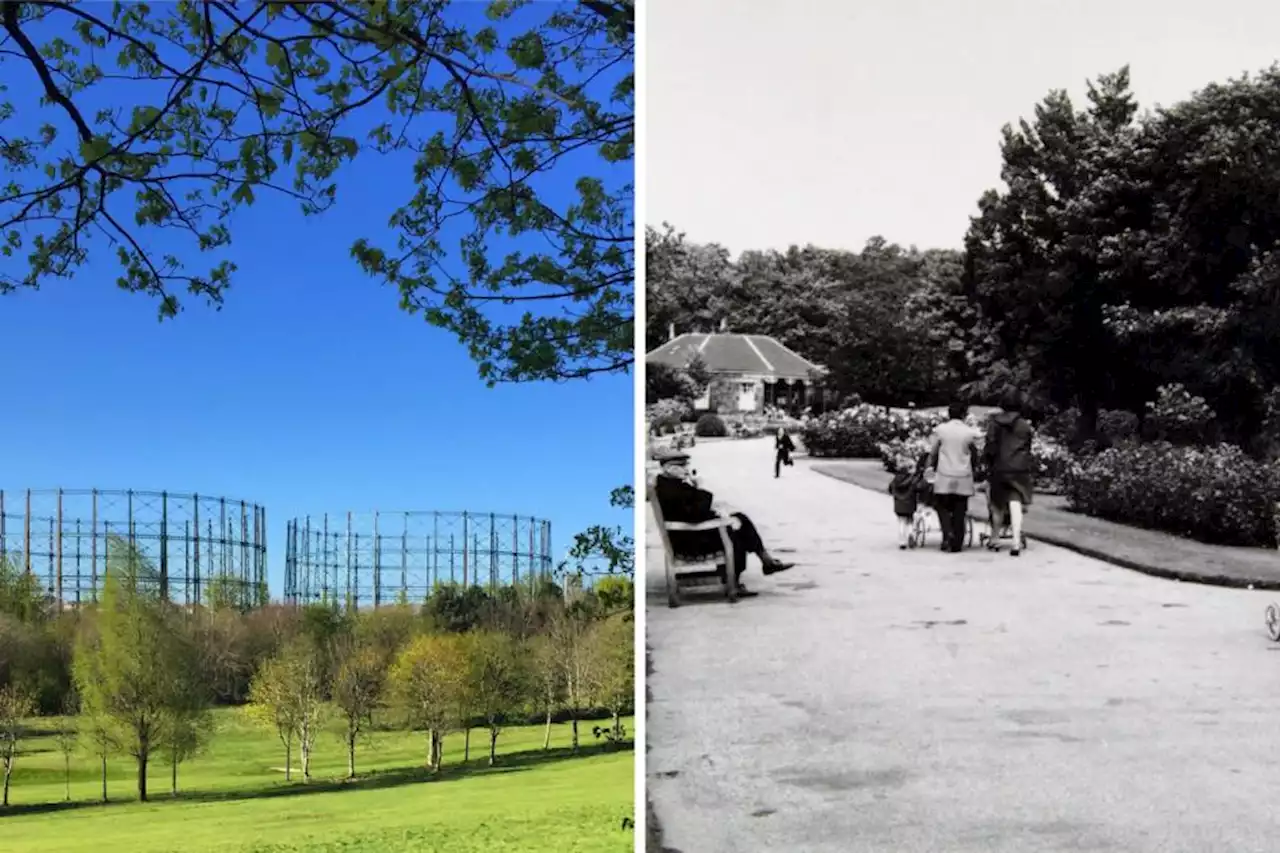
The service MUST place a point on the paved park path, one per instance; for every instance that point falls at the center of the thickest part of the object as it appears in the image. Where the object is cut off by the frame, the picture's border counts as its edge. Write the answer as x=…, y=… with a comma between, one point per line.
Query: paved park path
x=874, y=700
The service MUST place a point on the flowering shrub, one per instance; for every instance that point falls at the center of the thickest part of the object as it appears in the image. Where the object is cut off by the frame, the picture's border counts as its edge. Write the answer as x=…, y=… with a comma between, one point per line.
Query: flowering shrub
x=1215, y=494
x=1178, y=416
x=1114, y=426
x=1053, y=461
x=858, y=432
x=710, y=426
x=664, y=416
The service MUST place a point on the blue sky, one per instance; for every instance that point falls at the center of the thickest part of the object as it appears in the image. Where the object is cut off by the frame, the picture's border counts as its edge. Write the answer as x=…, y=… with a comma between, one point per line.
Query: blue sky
x=309, y=392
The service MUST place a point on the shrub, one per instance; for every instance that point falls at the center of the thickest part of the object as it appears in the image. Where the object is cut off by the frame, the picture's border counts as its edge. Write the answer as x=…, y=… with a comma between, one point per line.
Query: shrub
x=1180, y=417
x=1114, y=426
x=710, y=426
x=664, y=417
x=857, y=433
x=1213, y=494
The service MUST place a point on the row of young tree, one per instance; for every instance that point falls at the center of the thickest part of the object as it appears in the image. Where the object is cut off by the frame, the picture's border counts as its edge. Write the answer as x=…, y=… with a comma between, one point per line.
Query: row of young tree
x=136, y=676
x=1126, y=251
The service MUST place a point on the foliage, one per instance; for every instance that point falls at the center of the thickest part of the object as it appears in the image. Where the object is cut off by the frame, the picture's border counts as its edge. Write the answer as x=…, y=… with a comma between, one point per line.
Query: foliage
x=1179, y=417
x=665, y=416
x=612, y=670
x=859, y=432
x=137, y=670
x=16, y=706
x=288, y=695
x=357, y=693
x=499, y=679
x=1214, y=494
x=664, y=382
x=710, y=425
x=228, y=103
x=427, y=683
x=1113, y=426
x=602, y=547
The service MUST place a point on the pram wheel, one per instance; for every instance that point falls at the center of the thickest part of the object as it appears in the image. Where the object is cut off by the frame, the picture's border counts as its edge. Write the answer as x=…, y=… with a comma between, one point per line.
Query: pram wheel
x=968, y=539
x=1273, y=622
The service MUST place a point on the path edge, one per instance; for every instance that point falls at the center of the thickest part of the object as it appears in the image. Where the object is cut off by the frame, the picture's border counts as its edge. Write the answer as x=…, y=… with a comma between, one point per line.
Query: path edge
x=1123, y=562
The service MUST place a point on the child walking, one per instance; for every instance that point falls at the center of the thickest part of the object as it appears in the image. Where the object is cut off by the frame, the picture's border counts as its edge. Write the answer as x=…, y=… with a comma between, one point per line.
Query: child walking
x=905, y=488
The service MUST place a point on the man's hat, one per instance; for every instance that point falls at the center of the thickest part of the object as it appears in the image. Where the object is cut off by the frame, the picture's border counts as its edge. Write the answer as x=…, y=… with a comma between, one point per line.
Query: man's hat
x=668, y=457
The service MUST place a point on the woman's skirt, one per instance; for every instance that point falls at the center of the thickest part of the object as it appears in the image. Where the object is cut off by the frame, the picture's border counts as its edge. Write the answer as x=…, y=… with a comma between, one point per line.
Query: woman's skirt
x=1011, y=487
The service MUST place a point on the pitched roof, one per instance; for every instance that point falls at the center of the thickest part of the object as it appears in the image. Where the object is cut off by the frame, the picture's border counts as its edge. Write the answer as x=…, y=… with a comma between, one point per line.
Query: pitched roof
x=730, y=353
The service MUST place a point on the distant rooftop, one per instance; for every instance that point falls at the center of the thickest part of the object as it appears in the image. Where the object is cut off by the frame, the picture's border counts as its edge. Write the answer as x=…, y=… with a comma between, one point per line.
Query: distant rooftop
x=731, y=353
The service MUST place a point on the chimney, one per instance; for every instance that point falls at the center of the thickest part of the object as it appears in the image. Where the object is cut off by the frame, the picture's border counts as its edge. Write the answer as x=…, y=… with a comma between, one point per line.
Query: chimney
x=671, y=332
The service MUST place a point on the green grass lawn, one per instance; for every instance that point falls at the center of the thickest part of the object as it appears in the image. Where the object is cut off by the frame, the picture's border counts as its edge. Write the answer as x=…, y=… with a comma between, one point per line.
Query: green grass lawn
x=233, y=797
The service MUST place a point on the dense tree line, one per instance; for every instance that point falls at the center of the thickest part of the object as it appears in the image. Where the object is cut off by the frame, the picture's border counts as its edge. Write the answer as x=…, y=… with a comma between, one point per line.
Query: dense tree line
x=138, y=675
x=1125, y=252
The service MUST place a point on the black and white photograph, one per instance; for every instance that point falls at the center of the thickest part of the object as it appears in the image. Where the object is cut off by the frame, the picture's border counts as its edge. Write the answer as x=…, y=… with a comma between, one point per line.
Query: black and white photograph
x=962, y=418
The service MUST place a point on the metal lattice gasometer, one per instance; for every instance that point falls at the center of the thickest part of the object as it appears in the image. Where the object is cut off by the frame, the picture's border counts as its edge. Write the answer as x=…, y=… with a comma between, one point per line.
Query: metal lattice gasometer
x=373, y=559
x=196, y=548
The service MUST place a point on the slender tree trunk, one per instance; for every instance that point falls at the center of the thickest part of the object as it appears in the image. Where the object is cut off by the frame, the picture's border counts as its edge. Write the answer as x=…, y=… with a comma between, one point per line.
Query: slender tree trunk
x=8, y=771
x=66, y=775
x=142, y=776
x=175, y=773
x=617, y=724
x=439, y=761
x=546, y=737
x=351, y=754
x=575, y=729
x=306, y=760
x=493, y=745
x=288, y=759
x=466, y=746
x=103, y=756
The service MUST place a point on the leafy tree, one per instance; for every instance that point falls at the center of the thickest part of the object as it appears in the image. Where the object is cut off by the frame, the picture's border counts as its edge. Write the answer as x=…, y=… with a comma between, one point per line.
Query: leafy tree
x=287, y=694
x=499, y=680
x=16, y=706
x=67, y=737
x=124, y=675
x=570, y=638
x=612, y=668
x=20, y=593
x=426, y=681
x=186, y=725
x=232, y=102
x=547, y=674
x=273, y=704
x=357, y=691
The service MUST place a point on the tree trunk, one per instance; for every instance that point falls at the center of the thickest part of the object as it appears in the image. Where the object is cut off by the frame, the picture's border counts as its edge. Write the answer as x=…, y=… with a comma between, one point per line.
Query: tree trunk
x=8, y=770
x=617, y=724
x=575, y=730
x=466, y=747
x=439, y=751
x=306, y=760
x=493, y=745
x=66, y=775
x=104, y=776
x=288, y=759
x=175, y=773
x=351, y=754
x=142, y=777
x=546, y=738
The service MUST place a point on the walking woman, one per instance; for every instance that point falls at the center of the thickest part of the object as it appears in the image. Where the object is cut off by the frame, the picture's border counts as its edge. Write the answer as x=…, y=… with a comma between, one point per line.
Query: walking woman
x=952, y=454
x=1009, y=459
x=783, y=446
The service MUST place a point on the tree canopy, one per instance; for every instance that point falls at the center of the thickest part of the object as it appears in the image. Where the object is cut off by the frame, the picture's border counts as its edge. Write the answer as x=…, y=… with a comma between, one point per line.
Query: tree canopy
x=121, y=123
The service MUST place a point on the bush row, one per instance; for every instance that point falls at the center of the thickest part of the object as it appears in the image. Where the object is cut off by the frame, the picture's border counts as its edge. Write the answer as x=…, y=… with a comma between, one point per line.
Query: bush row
x=1219, y=494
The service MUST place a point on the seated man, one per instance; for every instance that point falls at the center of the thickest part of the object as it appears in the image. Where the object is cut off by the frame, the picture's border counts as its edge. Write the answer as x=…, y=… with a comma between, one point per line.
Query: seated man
x=681, y=500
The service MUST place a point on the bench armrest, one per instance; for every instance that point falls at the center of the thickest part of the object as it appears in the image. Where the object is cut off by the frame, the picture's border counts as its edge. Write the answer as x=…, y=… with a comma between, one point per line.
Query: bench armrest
x=691, y=527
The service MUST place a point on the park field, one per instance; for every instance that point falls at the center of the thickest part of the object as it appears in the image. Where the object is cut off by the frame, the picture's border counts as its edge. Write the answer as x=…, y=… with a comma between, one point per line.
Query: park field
x=233, y=797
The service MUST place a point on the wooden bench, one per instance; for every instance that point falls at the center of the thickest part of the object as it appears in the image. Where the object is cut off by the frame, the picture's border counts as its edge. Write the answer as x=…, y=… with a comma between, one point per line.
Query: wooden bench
x=683, y=570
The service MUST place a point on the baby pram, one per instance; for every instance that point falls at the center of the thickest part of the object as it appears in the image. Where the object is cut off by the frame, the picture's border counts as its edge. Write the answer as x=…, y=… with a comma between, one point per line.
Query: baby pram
x=926, y=518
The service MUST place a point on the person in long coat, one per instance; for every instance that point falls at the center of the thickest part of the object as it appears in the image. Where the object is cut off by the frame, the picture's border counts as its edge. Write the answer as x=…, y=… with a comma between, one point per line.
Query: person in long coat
x=953, y=454
x=1012, y=468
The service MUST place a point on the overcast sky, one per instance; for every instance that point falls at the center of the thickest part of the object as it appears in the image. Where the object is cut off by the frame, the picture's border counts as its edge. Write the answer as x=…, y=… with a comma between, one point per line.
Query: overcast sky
x=773, y=122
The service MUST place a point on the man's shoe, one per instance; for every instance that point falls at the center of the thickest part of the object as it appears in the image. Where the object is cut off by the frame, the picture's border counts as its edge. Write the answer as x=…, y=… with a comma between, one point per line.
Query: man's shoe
x=776, y=566
x=743, y=592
